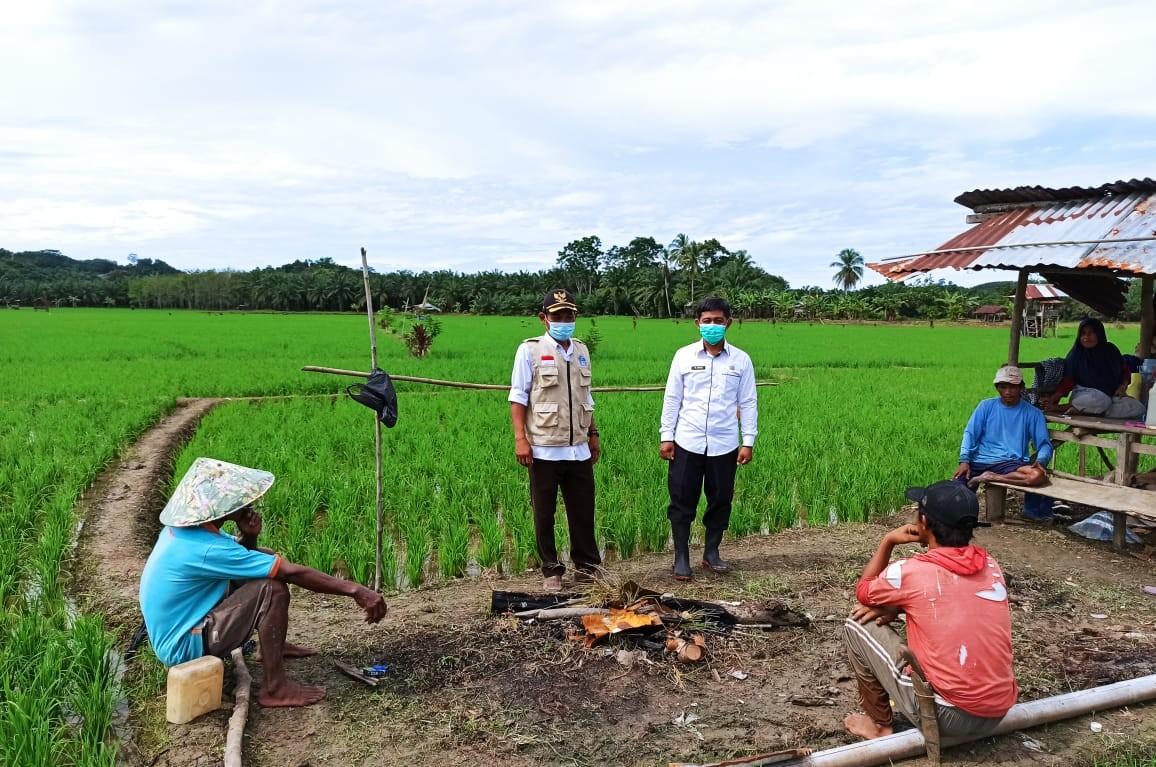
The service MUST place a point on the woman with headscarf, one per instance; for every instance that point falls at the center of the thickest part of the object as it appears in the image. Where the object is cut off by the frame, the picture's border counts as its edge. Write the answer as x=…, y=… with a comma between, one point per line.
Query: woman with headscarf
x=1095, y=374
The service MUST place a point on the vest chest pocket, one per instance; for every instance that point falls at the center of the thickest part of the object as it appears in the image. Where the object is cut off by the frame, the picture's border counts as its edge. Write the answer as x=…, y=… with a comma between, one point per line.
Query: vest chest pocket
x=584, y=377
x=546, y=415
x=547, y=376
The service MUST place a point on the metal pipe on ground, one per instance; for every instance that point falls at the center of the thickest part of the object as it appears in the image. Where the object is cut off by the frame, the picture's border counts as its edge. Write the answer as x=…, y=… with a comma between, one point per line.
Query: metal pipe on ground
x=905, y=745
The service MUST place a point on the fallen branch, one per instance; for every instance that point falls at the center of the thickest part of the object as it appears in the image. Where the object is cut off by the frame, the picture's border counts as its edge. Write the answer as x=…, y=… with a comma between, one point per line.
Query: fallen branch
x=235, y=735
x=557, y=613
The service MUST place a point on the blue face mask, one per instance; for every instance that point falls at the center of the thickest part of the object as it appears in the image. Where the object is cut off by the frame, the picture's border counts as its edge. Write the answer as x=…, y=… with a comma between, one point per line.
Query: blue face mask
x=561, y=331
x=712, y=334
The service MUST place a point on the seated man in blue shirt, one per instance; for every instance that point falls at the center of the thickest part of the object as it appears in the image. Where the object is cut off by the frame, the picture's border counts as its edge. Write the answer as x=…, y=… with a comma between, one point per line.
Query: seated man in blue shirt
x=997, y=439
x=204, y=592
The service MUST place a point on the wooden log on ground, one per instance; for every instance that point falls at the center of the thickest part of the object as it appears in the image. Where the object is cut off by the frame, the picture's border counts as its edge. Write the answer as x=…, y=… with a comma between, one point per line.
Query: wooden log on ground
x=234, y=738
x=558, y=613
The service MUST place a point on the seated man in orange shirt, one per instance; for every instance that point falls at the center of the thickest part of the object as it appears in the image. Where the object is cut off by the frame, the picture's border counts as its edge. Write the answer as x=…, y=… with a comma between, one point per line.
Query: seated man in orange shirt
x=958, y=622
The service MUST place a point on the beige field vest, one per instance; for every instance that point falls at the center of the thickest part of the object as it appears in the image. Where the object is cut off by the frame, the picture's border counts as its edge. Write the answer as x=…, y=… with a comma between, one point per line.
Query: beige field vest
x=558, y=413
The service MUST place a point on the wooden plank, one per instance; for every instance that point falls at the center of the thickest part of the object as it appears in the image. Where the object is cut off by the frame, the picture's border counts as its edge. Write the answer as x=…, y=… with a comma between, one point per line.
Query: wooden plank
x=1102, y=425
x=1082, y=439
x=1017, y=318
x=1141, y=503
x=1078, y=478
x=1123, y=458
x=1119, y=530
x=995, y=502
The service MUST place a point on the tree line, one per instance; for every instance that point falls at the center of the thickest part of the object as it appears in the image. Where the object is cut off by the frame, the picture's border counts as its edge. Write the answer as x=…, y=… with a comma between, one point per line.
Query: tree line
x=643, y=278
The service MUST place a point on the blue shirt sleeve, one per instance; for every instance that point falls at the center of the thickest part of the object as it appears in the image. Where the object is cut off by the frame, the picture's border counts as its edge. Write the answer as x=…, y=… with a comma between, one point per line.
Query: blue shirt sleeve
x=230, y=560
x=972, y=434
x=1041, y=438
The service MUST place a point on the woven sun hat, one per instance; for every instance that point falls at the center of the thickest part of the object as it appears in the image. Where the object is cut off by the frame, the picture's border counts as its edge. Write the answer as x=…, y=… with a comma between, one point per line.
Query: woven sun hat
x=1009, y=374
x=213, y=489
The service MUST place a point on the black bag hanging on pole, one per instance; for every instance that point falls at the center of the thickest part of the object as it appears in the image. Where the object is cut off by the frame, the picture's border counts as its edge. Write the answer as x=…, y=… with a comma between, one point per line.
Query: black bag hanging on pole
x=378, y=395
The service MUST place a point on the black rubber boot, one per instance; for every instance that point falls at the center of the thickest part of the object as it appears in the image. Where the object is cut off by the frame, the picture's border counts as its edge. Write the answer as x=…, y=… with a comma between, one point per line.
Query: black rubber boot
x=682, y=569
x=710, y=556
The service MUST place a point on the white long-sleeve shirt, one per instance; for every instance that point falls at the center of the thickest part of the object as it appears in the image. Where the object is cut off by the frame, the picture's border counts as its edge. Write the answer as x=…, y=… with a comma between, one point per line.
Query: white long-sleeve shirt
x=708, y=399
x=521, y=381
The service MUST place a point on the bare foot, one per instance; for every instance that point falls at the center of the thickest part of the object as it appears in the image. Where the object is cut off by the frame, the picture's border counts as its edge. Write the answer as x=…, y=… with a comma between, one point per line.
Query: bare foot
x=863, y=726
x=289, y=651
x=987, y=476
x=290, y=694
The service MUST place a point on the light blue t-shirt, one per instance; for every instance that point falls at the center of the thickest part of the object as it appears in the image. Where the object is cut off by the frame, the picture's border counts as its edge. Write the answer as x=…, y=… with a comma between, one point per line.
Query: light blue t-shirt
x=998, y=433
x=185, y=577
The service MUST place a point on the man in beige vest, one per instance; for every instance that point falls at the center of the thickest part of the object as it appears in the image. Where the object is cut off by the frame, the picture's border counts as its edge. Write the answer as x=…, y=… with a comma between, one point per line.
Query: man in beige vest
x=552, y=411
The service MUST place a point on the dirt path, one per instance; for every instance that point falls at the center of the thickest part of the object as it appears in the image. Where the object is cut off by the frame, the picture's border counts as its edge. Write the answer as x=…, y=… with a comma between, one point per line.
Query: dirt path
x=470, y=689
x=119, y=514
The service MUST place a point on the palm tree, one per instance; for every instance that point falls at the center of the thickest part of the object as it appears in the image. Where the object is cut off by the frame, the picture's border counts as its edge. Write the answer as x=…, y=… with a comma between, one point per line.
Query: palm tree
x=848, y=268
x=688, y=254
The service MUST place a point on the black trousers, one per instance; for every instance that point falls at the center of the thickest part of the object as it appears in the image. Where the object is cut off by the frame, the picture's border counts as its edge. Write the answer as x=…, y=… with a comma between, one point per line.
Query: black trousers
x=686, y=477
x=576, y=481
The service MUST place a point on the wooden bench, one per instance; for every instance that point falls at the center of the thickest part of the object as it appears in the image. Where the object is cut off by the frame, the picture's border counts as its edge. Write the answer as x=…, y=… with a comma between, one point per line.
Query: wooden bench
x=1119, y=500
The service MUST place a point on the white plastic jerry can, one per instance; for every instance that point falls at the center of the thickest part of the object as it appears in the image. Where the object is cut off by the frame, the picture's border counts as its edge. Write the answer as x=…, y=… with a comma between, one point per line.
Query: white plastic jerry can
x=194, y=689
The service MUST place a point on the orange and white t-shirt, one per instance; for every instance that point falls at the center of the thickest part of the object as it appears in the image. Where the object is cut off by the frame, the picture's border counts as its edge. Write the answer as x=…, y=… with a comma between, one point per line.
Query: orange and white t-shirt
x=958, y=624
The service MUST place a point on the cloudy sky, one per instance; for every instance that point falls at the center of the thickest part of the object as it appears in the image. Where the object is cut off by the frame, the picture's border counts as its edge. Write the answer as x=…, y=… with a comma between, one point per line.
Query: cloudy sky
x=479, y=135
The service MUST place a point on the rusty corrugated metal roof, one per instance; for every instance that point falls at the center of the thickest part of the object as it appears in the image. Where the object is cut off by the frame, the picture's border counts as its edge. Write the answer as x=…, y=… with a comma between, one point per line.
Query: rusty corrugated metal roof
x=981, y=197
x=1015, y=239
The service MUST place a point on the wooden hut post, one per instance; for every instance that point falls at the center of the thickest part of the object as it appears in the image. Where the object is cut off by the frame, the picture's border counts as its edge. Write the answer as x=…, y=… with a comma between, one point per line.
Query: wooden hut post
x=1017, y=319
x=1147, y=317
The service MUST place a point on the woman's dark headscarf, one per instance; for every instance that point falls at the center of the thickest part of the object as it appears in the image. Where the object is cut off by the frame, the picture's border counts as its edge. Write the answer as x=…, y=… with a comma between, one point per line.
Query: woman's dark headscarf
x=1100, y=367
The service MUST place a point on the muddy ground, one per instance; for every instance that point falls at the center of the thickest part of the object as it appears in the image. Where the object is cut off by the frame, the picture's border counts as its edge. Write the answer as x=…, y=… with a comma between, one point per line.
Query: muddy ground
x=467, y=688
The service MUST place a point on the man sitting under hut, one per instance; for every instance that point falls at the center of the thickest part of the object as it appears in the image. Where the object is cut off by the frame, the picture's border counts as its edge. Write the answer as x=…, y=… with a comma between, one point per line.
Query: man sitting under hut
x=997, y=442
x=204, y=592
x=958, y=623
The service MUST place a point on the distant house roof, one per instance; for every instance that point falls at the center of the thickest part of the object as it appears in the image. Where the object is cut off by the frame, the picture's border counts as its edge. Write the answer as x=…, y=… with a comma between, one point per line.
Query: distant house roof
x=991, y=309
x=1044, y=293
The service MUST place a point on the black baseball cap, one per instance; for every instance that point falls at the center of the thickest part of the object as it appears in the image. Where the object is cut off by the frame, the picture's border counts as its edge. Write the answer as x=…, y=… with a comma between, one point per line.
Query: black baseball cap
x=948, y=502
x=558, y=298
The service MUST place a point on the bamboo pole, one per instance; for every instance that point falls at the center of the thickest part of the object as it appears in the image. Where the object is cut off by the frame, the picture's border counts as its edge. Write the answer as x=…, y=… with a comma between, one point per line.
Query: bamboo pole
x=234, y=738
x=904, y=745
x=376, y=421
x=1017, y=320
x=1147, y=318
x=489, y=387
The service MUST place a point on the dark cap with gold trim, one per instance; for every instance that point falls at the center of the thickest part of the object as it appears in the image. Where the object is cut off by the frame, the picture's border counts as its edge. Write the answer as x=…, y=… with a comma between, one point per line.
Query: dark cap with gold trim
x=559, y=298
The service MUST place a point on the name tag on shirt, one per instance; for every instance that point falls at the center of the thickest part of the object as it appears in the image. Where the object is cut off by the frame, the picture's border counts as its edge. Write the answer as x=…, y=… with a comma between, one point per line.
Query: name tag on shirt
x=698, y=367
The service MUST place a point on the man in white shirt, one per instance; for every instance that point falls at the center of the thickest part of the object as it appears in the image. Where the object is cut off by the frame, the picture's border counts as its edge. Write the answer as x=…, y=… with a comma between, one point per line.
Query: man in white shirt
x=708, y=429
x=552, y=412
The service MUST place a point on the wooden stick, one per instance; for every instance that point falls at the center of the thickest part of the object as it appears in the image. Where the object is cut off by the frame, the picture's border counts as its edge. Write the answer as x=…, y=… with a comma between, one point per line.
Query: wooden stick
x=376, y=422
x=490, y=387
x=1013, y=352
x=554, y=613
x=235, y=736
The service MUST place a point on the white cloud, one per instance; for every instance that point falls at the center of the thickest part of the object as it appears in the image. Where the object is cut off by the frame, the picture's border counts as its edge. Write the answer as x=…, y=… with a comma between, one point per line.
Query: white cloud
x=476, y=134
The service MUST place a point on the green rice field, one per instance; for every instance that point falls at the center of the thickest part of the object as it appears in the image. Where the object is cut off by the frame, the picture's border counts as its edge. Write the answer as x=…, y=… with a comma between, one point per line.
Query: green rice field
x=859, y=413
